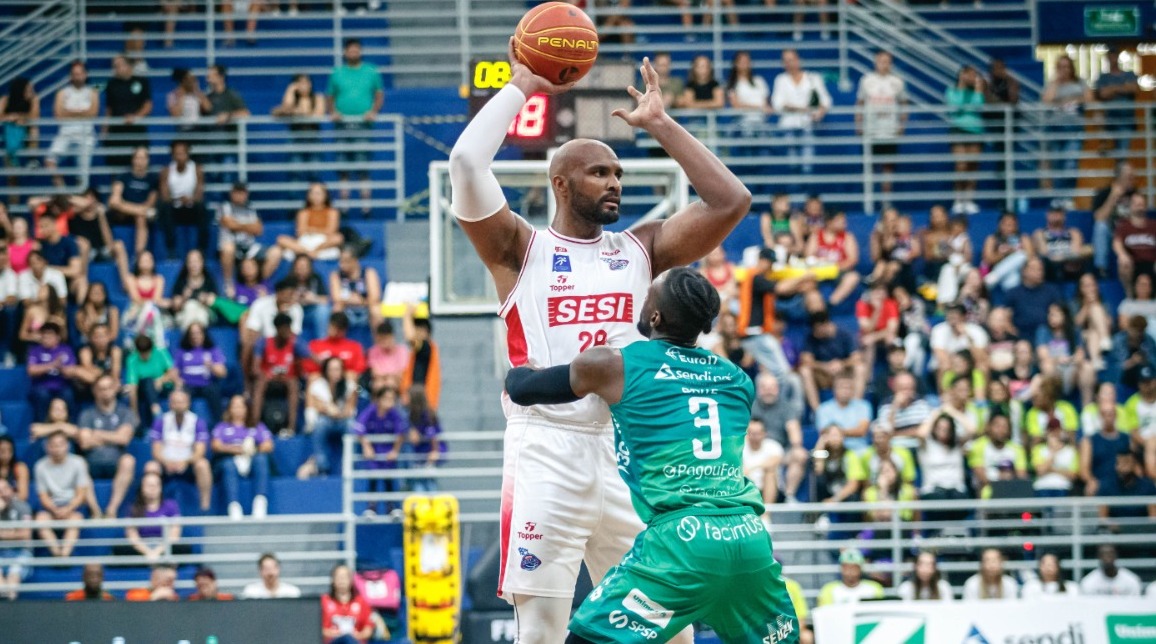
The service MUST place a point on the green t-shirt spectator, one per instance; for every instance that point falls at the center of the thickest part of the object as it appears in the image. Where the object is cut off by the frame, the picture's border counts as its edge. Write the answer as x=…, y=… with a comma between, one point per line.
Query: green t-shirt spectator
x=352, y=88
x=967, y=115
x=137, y=369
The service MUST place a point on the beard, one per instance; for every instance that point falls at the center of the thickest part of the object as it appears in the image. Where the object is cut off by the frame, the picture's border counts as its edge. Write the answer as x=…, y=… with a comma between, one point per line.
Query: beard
x=592, y=210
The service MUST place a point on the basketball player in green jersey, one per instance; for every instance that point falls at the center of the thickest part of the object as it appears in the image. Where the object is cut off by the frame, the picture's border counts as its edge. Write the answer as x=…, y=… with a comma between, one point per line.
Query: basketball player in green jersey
x=680, y=417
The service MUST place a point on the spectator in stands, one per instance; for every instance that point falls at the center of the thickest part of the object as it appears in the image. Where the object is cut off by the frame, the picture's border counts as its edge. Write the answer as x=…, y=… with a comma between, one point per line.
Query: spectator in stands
x=1110, y=204
x=966, y=99
x=894, y=253
x=762, y=459
x=1118, y=86
x=201, y=367
x=278, y=360
x=1049, y=580
x=54, y=420
x=13, y=560
x=134, y=198
x=96, y=310
x=1062, y=247
x=43, y=285
x=670, y=84
x=914, y=329
x=1109, y=579
x=1141, y=410
x=62, y=253
x=62, y=483
x=1030, y=300
x=12, y=469
x=1130, y=482
x=779, y=220
x=1091, y=421
x=839, y=470
x=192, y=284
x=387, y=359
x=105, y=431
x=1133, y=350
x=935, y=241
x=240, y=226
x=748, y=92
x=330, y=410
x=186, y=101
x=1092, y=320
x=312, y=294
x=994, y=457
x=834, y=245
x=156, y=541
x=424, y=439
x=702, y=90
x=345, y=614
x=356, y=95
x=179, y=442
x=226, y=107
x=990, y=582
x=259, y=321
x=51, y=371
x=128, y=97
x=956, y=334
x=182, y=198
x=19, y=106
x=827, y=352
x=356, y=290
x=878, y=316
x=250, y=285
x=754, y=325
x=382, y=418
x=77, y=104
x=881, y=117
x=851, y=587
x=1005, y=252
x=906, y=409
x=425, y=359
x=242, y=451
x=148, y=372
x=847, y=413
x=161, y=588
x=882, y=450
x=888, y=485
x=801, y=100
x=1062, y=352
x=1066, y=94
x=1135, y=241
x=303, y=106
x=1098, y=454
x=720, y=272
x=779, y=407
x=1140, y=303
x=813, y=217
x=93, y=590
x=1048, y=404
x=336, y=345
x=941, y=458
x=206, y=581
x=270, y=586
x=926, y=582
x=1056, y=462
x=1002, y=90
x=317, y=236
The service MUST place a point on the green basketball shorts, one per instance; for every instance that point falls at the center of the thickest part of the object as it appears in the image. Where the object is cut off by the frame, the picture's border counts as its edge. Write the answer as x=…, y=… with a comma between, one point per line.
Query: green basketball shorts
x=710, y=568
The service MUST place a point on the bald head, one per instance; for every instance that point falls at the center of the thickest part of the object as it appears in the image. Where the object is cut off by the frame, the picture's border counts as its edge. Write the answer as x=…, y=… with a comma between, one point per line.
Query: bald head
x=576, y=153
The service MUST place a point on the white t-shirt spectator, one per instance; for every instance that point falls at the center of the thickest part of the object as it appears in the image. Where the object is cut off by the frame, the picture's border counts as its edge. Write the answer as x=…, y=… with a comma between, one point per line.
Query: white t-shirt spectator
x=28, y=287
x=942, y=467
x=1066, y=460
x=945, y=338
x=755, y=461
x=178, y=439
x=9, y=284
x=973, y=585
x=60, y=480
x=907, y=592
x=753, y=92
x=1124, y=584
x=257, y=590
x=786, y=93
x=262, y=312
x=1034, y=589
x=882, y=98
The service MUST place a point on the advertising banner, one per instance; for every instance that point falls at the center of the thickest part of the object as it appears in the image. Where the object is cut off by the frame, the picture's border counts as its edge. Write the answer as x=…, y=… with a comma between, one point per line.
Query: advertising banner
x=1044, y=621
x=1063, y=22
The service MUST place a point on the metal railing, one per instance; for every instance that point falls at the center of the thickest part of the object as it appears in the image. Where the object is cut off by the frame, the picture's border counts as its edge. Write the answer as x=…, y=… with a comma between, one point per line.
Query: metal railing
x=40, y=40
x=277, y=162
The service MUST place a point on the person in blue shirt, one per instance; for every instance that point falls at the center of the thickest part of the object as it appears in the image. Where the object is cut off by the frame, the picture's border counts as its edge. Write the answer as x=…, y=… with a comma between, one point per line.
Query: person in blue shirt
x=851, y=416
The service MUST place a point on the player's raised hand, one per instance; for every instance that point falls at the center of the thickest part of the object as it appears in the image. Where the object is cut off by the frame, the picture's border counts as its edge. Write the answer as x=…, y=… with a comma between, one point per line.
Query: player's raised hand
x=649, y=107
x=529, y=82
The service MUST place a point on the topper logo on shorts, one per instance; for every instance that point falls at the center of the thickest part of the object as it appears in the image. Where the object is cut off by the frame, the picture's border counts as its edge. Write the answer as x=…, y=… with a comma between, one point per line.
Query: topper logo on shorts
x=561, y=263
x=529, y=560
x=638, y=603
x=587, y=309
x=618, y=619
x=616, y=264
x=529, y=532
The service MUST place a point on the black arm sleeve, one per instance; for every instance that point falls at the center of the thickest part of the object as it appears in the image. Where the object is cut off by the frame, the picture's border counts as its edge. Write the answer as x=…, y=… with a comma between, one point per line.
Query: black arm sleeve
x=551, y=386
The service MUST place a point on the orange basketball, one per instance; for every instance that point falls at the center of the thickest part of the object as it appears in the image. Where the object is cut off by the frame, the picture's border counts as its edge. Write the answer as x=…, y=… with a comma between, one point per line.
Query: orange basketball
x=557, y=41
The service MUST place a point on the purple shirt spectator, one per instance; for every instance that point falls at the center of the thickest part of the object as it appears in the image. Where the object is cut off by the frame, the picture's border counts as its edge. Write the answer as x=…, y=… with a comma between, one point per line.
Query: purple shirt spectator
x=231, y=434
x=53, y=380
x=168, y=509
x=245, y=294
x=191, y=365
x=178, y=437
x=428, y=431
x=370, y=422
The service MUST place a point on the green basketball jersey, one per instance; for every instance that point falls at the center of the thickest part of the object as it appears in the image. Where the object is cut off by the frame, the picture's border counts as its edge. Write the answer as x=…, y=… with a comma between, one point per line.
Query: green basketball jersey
x=679, y=430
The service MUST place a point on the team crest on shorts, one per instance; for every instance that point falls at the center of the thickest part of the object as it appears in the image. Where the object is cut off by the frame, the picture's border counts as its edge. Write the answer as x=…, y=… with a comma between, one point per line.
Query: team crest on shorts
x=616, y=264
x=529, y=560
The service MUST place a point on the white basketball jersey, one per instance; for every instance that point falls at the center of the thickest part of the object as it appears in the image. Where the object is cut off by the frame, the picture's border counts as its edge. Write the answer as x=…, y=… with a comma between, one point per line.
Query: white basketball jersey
x=573, y=294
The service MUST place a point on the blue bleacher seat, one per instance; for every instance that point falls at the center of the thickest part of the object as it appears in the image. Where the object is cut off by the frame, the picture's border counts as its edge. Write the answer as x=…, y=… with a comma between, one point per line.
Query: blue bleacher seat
x=13, y=384
x=16, y=416
x=289, y=454
x=315, y=496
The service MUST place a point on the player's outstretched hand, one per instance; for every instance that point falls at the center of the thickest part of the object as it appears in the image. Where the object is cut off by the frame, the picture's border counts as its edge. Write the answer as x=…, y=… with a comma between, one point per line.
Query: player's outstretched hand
x=529, y=82
x=649, y=106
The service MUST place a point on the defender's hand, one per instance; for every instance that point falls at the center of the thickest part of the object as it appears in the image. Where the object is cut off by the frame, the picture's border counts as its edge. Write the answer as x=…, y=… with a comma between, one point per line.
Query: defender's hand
x=649, y=108
x=529, y=82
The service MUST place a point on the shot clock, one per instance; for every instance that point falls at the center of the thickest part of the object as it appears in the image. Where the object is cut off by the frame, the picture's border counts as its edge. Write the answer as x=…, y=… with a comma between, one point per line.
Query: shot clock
x=544, y=122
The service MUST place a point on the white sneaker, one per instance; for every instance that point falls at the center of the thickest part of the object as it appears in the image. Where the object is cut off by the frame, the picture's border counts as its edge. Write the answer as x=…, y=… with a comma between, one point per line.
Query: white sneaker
x=260, y=506
x=235, y=511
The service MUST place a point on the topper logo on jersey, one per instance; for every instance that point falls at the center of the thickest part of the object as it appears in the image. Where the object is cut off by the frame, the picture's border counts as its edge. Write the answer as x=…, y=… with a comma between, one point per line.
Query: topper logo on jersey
x=561, y=263
x=591, y=309
x=561, y=286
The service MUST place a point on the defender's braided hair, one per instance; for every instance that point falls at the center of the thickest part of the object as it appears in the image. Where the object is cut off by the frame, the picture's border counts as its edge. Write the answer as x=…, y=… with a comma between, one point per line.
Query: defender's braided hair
x=690, y=303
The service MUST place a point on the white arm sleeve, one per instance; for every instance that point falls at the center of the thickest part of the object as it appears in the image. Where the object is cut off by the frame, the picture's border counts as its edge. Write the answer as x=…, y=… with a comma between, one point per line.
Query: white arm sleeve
x=476, y=192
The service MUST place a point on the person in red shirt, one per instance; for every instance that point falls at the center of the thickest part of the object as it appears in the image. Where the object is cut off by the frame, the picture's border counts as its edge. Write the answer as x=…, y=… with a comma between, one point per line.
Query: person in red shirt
x=93, y=586
x=206, y=581
x=336, y=345
x=835, y=245
x=345, y=615
x=1135, y=242
x=878, y=315
x=278, y=363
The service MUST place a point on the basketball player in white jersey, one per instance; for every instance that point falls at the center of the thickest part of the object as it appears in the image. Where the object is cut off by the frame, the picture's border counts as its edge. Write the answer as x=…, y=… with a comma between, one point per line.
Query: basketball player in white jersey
x=564, y=290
